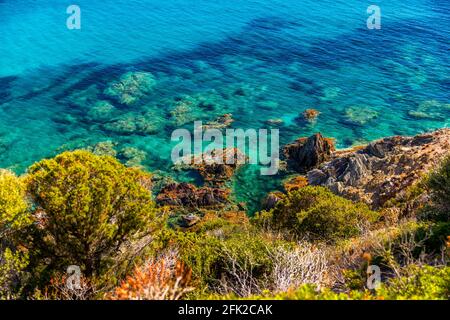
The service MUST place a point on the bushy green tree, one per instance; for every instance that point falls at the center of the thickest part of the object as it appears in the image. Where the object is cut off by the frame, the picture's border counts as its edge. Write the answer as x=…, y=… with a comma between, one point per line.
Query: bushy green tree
x=88, y=207
x=439, y=185
x=13, y=205
x=318, y=213
x=14, y=217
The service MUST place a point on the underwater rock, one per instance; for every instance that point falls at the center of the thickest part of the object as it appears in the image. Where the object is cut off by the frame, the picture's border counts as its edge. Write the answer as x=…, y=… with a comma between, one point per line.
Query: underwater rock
x=330, y=93
x=104, y=148
x=209, y=100
x=239, y=92
x=133, y=157
x=310, y=115
x=420, y=115
x=268, y=105
x=384, y=169
x=66, y=119
x=215, y=173
x=221, y=122
x=182, y=113
x=102, y=111
x=187, y=109
x=131, y=123
x=360, y=115
x=431, y=109
x=188, y=195
x=275, y=122
x=84, y=98
x=131, y=87
x=307, y=153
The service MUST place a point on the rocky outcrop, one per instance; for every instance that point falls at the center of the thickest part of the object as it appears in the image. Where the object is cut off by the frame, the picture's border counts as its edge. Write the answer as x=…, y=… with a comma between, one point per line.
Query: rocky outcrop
x=310, y=115
x=189, y=196
x=188, y=220
x=384, y=169
x=213, y=167
x=272, y=199
x=308, y=153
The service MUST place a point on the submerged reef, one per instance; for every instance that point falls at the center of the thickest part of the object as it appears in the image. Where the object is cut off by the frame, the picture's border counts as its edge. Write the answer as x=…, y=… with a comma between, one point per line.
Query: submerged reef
x=432, y=110
x=360, y=115
x=131, y=87
x=132, y=123
x=102, y=111
x=206, y=105
x=132, y=157
x=330, y=93
x=104, y=148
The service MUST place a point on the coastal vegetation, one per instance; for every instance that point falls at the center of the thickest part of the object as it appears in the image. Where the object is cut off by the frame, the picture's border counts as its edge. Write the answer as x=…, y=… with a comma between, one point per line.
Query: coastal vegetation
x=131, y=240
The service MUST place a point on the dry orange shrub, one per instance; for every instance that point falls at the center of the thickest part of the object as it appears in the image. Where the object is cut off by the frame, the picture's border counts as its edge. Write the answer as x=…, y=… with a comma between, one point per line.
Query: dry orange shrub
x=156, y=281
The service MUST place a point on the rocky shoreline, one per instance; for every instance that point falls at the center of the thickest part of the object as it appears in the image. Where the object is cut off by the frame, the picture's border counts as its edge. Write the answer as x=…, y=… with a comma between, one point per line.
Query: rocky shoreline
x=384, y=169
x=375, y=173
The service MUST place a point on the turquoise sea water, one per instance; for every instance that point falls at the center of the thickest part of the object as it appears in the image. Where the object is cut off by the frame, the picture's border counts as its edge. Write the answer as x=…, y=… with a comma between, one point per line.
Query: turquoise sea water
x=256, y=59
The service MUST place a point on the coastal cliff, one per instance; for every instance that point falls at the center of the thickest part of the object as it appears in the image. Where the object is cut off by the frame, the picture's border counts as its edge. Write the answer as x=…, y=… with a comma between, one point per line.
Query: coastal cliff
x=384, y=169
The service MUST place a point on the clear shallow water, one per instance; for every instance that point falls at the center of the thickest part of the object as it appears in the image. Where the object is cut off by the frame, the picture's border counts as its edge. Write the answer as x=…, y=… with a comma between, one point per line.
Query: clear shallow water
x=258, y=60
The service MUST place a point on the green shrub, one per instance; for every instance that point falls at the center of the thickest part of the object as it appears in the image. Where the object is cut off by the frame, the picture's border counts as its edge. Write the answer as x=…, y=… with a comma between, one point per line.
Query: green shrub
x=88, y=206
x=318, y=213
x=422, y=283
x=213, y=258
x=304, y=292
x=14, y=217
x=439, y=184
x=13, y=206
x=12, y=273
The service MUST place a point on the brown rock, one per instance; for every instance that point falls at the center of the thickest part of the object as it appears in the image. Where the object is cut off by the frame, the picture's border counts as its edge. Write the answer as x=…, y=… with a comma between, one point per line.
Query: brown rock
x=221, y=122
x=308, y=153
x=384, y=169
x=188, y=195
x=272, y=199
x=188, y=220
x=216, y=174
x=275, y=122
x=310, y=115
